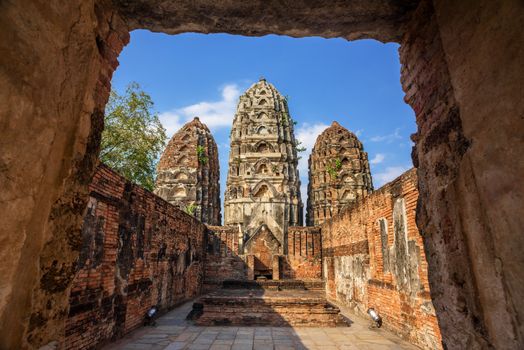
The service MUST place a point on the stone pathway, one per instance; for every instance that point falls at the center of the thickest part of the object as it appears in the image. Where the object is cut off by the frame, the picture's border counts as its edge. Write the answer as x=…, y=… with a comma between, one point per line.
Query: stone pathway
x=173, y=332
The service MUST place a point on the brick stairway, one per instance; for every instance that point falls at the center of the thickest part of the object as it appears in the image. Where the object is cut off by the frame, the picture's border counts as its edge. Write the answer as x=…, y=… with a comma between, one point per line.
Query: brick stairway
x=268, y=303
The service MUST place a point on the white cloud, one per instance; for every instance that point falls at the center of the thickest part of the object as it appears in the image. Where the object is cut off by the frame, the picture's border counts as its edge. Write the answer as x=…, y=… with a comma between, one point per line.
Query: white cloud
x=171, y=121
x=387, y=138
x=389, y=174
x=377, y=159
x=215, y=114
x=307, y=134
x=359, y=132
x=303, y=195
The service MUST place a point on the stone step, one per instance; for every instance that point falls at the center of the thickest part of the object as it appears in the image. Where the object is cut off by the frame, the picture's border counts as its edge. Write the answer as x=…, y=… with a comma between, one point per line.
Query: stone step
x=248, y=307
x=317, y=285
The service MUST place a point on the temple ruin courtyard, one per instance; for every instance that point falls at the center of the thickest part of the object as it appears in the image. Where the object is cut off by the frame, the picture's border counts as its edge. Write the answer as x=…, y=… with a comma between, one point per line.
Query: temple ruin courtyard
x=436, y=254
x=173, y=332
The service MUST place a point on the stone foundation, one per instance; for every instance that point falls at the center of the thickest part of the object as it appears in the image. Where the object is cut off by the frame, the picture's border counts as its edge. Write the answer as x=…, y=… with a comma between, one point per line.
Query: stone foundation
x=248, y=307
x=317, y=285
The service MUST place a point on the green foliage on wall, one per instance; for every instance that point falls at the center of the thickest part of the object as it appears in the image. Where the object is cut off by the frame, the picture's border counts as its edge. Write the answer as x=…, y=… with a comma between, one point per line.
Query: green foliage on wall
x=201, y=153
x=191, y=209
x=334, y=168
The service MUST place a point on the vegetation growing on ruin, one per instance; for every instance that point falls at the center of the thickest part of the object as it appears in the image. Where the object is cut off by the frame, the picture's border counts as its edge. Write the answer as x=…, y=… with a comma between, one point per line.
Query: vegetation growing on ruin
x=334, y=168
x=201, y=153
x=133, y=136
x=299, y=147
x=191, y=209
x=286, y=118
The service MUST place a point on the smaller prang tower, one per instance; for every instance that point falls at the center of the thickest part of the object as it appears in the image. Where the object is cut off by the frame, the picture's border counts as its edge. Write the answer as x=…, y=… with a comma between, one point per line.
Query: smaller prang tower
x=188, y=173
x=338, y=174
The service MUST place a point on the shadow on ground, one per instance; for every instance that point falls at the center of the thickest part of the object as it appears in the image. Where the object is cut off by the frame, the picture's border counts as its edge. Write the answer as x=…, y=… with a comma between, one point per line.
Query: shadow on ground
x=173, y=332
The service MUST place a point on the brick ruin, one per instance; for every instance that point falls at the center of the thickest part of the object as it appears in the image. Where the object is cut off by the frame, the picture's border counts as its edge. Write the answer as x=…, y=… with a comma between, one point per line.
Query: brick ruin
x=373, y=256
x=338, y=174
x=461, y=73
x=262, y=202
x=188, y=173
x=139, y=250
x=224, y=260
x=263, y=187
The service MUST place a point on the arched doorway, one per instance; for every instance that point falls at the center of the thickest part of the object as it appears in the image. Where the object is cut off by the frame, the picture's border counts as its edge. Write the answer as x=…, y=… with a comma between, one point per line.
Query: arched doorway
x=467, y=149
x=263, y=246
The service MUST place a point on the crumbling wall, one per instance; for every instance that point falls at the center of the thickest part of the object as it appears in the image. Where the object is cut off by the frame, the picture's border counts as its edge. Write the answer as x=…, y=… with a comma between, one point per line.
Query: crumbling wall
x=52, y=118
x=345, y=259
x=374, y=257
x=222, y=261
x=303, y=260
x=463, y=76
x=138, y=251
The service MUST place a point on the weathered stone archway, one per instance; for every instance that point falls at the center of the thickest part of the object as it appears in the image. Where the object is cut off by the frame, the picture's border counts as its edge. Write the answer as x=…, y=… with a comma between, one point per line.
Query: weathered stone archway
x=461, y=74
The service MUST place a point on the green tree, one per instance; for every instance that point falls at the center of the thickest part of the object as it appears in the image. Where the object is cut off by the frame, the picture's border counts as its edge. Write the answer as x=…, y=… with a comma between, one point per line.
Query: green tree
x=133, y=136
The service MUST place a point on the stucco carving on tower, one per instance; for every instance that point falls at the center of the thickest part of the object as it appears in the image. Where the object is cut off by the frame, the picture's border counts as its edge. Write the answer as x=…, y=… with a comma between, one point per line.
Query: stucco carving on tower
x=263, y=186
x=188, y=173
x=338, y=174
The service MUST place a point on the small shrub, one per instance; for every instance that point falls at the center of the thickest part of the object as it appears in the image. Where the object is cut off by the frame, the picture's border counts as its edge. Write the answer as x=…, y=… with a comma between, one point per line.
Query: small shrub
x=201, y=153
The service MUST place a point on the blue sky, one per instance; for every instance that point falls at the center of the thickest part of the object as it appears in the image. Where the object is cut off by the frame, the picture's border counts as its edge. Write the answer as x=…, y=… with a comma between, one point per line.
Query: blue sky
x=355, y=83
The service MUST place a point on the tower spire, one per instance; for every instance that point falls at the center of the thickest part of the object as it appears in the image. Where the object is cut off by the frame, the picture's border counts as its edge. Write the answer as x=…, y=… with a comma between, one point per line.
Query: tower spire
x=263, y=186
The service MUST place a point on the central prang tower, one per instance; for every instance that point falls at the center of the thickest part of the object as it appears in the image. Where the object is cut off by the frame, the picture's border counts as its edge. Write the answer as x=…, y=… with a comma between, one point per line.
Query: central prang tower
x=263, y=187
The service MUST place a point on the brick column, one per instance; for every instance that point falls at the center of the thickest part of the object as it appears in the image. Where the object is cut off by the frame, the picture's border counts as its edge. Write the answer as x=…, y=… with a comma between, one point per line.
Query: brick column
x=276, y=267
x=250, y=262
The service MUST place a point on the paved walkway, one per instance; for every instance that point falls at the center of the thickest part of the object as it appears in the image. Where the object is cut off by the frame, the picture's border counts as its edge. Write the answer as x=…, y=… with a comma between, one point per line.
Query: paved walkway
x=173, y=332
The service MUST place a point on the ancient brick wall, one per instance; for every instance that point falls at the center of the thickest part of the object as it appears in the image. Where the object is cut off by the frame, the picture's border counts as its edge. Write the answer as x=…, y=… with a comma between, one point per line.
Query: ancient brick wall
x=463, y=90
x=373, y=257
x=137, y=251
x=303, y=260
x=222, y=261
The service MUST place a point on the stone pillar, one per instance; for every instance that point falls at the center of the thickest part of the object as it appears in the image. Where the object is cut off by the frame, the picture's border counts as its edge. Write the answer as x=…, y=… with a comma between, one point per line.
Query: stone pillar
x=276, y=267
x=240, y=240
x=250, y=262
